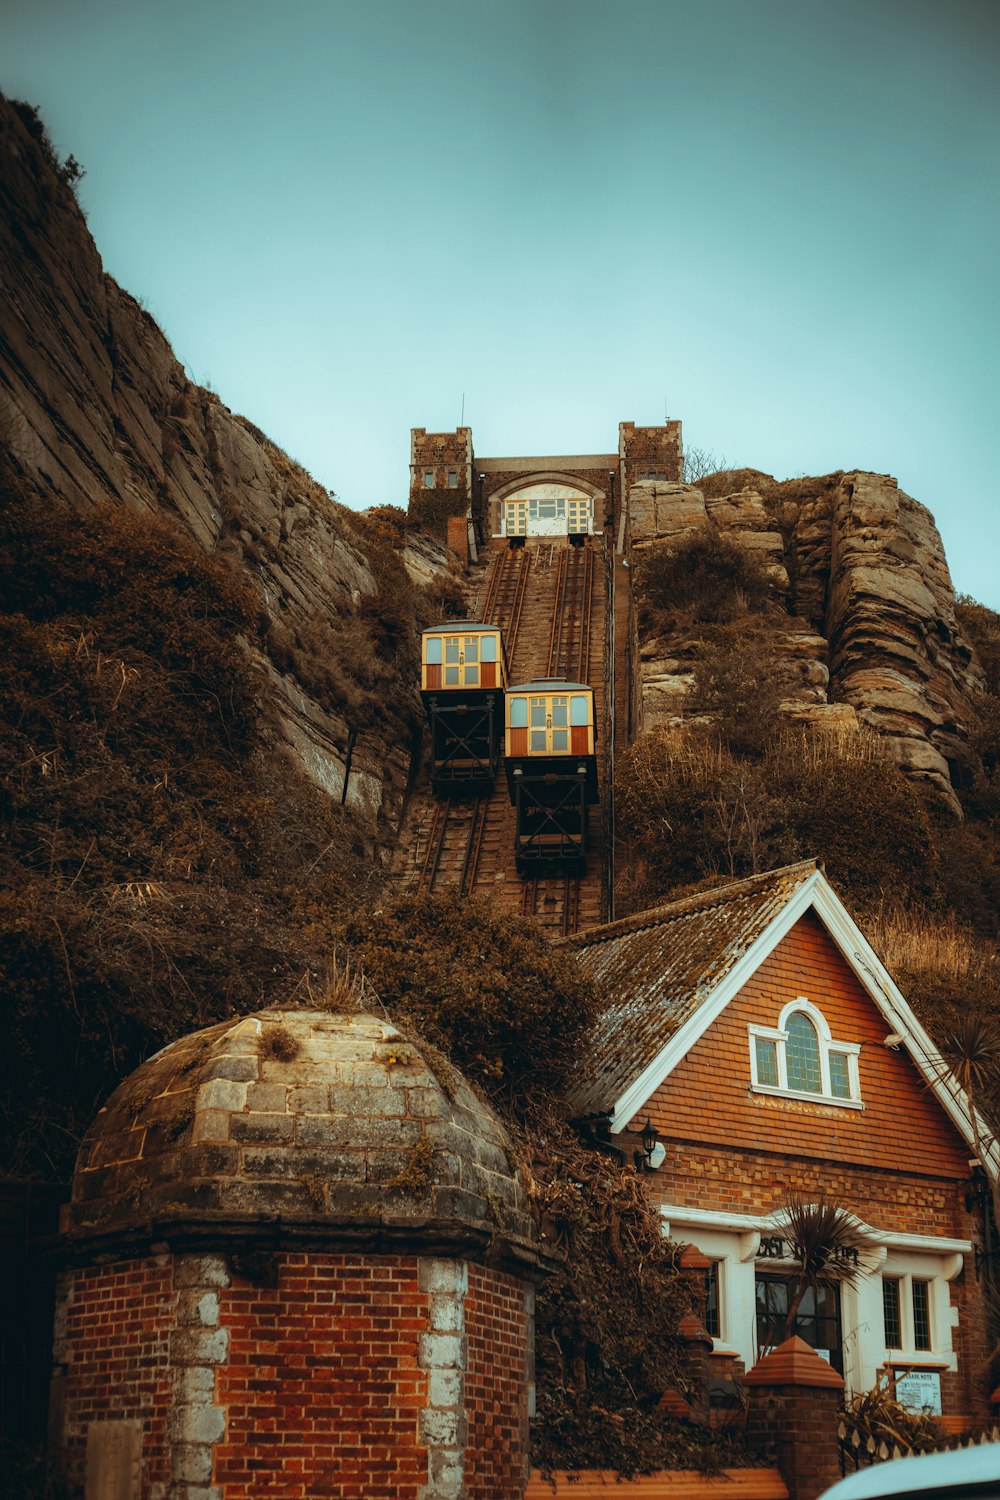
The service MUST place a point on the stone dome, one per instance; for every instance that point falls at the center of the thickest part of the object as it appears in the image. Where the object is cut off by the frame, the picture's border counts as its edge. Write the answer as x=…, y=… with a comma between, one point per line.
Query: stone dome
x=300, y=1126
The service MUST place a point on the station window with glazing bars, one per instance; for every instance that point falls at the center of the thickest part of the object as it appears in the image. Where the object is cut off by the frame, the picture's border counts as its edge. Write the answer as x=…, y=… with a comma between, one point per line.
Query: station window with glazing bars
x=906, y=1309
x=801, y=1056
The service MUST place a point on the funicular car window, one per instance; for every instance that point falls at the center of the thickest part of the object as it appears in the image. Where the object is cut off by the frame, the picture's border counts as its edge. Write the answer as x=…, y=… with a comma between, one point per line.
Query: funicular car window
x=433, y=656
x=488, y=645
x=518, y=713
x=578, y=709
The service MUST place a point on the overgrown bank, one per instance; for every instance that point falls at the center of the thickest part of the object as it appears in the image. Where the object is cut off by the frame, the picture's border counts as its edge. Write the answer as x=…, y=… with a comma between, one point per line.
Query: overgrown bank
x=512, y=1011
x=164, y=862
x=734, y=786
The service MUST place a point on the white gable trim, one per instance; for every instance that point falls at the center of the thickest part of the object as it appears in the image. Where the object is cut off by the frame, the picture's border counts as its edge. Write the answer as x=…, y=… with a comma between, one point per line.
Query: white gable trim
x=816, y=893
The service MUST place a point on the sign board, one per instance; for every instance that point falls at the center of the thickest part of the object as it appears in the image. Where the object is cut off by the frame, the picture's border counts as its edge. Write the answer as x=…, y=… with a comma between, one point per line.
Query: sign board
x=920, y=1390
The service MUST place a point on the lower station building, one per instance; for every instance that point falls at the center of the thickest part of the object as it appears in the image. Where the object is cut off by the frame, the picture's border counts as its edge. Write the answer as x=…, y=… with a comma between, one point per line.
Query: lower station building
x=756, y=1034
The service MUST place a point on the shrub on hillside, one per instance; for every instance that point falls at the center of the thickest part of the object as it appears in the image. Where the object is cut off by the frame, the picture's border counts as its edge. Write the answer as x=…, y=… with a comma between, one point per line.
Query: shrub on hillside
x=981, y=628
x=486, y=987
x=695, y=812
x=739, y=680
x=706, y=578
x=159, y=864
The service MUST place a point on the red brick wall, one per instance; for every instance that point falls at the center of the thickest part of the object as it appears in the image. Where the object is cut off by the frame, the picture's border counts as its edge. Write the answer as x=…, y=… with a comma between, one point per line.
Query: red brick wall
x=321, y=1385
x=901, y=1129
x=118, y=1321
x=495, y=1385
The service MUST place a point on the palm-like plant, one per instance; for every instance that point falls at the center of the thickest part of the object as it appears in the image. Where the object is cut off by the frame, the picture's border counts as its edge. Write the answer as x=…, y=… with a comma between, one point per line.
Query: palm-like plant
x=824, y=1242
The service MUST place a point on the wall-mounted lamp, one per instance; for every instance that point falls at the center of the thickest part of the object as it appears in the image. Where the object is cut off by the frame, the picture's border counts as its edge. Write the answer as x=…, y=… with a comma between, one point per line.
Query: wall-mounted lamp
x=893, y=1040
x=653, y=1150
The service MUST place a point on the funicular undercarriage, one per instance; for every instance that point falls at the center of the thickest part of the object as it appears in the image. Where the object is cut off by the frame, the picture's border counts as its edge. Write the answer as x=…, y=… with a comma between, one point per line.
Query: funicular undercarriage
x=551, y=821
x=465, y=744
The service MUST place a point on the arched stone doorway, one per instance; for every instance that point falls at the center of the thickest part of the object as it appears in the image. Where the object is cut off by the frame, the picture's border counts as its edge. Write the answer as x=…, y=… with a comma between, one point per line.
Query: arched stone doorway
x=547, y=505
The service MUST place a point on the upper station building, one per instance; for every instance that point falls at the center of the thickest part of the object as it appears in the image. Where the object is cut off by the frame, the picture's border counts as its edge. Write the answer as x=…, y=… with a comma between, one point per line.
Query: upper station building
x=550, y=495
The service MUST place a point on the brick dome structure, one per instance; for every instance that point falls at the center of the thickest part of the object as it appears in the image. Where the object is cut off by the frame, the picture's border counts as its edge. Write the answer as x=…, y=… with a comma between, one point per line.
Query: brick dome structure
x=306, y=1119
x=298, y=1253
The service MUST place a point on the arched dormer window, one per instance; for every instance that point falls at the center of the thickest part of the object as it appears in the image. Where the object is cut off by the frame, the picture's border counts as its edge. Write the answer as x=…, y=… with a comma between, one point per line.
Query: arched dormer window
x=800, y=1057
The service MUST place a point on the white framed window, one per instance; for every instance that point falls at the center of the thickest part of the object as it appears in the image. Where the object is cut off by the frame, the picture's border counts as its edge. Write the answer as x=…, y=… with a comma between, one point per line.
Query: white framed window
x=800, y=1058
x=428, y=479
x=908, y=1313
x=452, y=479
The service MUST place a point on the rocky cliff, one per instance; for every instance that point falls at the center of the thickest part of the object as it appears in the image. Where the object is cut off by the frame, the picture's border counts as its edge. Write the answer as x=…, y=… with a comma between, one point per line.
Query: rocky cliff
x=95, y=408
x=867, y=623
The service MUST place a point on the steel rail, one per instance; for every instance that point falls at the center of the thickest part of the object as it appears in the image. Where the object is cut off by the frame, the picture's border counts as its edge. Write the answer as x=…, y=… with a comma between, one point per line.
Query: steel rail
x=583, y=651
x=500, y=566
x=558, y=603
x=520, y=590
x=571, y=905
x=474, y=846
x=435, y=845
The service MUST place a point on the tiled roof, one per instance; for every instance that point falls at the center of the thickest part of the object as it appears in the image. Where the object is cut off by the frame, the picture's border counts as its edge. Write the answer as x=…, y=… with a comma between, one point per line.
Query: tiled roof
x=655, y=969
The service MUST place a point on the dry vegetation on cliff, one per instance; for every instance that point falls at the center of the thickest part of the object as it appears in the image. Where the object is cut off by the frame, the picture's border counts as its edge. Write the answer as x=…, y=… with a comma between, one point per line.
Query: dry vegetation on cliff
x=164, y=861
x=736, y=788
x=511, y=1011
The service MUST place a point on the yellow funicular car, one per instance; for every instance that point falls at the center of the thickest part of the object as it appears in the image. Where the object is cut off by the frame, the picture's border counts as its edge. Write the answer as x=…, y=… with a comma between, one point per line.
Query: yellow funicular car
x=550, y=759
x=463, y=674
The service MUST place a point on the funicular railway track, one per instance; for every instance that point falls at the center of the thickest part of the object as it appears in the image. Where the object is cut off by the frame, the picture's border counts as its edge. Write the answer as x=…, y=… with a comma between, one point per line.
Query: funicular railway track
x=557, y=901
x=547, y=602
x=454, y=843
x=505, y=594
x=572, y=608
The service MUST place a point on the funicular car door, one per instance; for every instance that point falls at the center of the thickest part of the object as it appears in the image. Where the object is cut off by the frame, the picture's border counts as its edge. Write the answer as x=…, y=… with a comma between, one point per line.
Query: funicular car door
x=548, y=724
x=461, y=662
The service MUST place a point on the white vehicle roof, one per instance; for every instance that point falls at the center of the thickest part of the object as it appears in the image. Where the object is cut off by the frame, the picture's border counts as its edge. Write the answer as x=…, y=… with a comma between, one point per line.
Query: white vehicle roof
x=966, y=1472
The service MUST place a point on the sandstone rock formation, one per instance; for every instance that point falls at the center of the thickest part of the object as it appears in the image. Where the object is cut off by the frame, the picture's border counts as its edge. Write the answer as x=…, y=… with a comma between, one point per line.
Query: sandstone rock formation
x=870, y=628
x=95, y=408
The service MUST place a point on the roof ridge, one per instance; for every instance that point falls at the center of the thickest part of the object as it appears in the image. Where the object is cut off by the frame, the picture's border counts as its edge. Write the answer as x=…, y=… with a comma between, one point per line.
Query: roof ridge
x=700, y=900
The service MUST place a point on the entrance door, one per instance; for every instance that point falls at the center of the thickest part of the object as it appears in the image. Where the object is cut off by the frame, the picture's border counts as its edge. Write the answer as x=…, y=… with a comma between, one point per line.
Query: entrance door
x=817, y=1320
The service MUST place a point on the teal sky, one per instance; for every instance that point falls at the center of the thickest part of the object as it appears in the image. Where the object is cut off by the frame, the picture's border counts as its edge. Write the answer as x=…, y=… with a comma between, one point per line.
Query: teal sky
x=779, y=220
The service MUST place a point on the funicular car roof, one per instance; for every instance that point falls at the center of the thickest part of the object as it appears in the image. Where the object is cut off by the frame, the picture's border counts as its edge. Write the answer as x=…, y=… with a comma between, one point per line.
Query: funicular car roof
x=452, y=627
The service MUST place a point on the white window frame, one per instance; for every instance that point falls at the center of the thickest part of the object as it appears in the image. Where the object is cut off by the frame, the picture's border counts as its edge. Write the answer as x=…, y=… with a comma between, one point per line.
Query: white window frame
x=906, y=1270
x=734, y=1239
x=827, y=1044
